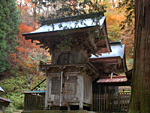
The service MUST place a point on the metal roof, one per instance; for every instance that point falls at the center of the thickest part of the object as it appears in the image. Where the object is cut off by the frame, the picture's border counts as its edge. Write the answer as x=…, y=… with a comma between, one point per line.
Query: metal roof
x=82, y=23
x=1, y=89
x=107, y=79
x=34, y=91
x=118, y=49
x=4, y=100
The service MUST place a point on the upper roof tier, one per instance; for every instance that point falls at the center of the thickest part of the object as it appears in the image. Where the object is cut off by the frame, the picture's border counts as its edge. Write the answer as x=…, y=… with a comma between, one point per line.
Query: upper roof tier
x=85, y=32
x=89, y=22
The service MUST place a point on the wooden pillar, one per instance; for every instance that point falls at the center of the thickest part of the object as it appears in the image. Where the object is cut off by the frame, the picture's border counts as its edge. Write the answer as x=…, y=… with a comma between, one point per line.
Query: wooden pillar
x=47, y=92
x=91, y=106
x=68, y=107
x=80, y=91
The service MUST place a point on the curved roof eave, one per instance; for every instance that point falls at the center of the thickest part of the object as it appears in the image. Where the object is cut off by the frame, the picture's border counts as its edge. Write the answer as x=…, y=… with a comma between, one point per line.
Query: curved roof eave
x=117, y=50
x=82, y=23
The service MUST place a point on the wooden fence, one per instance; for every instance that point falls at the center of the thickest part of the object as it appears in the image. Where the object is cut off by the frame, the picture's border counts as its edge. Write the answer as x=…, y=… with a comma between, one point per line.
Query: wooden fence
x=34, y=101
x=111, y=102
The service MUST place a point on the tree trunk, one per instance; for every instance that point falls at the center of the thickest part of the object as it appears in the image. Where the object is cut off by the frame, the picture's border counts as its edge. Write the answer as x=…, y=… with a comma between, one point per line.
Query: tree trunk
x=140, y=98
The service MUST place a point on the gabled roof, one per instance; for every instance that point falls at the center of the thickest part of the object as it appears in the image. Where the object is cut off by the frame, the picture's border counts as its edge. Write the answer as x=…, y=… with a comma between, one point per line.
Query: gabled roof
x=72, y=24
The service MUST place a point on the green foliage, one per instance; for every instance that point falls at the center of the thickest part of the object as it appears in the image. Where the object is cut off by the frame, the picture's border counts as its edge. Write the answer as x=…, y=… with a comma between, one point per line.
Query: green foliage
x=130, y=61
x=14, y=86
x=19, y=74
x=8, y=28
x=129, y=21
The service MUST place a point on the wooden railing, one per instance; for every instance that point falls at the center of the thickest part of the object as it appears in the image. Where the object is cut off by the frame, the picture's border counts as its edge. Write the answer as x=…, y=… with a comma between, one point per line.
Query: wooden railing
x=50, y=62
x=111, y=102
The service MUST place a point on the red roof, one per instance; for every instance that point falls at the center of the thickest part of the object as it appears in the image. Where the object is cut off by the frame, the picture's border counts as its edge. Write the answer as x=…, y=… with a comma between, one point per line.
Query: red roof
x=115, y=79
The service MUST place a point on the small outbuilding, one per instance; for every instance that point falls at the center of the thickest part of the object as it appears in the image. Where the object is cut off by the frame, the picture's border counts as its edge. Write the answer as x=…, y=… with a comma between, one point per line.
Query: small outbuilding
x=3, y=102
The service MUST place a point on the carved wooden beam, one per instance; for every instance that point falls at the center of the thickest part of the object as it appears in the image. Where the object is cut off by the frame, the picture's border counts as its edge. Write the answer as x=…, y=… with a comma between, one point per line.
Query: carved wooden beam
x=107, y=44
x=93, y=43
x=110, y=70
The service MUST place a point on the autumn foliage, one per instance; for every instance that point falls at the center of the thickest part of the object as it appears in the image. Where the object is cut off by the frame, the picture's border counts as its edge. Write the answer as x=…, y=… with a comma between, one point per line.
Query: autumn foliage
x=27, y=54
x=115, y=16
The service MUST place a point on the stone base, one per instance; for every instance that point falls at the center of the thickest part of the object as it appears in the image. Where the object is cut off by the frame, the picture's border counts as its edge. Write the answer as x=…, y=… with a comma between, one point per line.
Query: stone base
x=57, y=111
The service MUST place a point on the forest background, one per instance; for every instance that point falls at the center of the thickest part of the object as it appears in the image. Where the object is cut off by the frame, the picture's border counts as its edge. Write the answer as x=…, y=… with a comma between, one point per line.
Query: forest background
x=20, y=58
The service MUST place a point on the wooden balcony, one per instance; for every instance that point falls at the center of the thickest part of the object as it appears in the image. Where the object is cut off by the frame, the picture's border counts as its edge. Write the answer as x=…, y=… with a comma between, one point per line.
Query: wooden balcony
x=61, y=63
x=76, y=65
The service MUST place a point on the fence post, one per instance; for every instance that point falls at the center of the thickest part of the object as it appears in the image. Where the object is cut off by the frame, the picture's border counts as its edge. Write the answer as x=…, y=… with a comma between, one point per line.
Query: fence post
x=118, y=101
x=99, y=99
x=106, y=101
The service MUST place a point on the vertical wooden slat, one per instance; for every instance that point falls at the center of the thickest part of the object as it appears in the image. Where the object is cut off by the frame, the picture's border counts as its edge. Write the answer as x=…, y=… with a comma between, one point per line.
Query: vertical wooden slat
x=94, y=103
x=123, y=100
x=101, y=102
x=30, y=104
x=106, y=102
x=97, y=101
x=126, y=101
x=118, y=101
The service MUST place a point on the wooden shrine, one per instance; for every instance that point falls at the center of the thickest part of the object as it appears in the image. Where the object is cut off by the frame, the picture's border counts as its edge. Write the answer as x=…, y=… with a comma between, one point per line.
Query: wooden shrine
x=74, y=71
x=69, y=73
x=110, y=65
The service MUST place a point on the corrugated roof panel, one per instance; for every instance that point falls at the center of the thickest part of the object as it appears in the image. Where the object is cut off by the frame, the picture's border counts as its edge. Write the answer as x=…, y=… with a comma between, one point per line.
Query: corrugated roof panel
x=107, y=79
